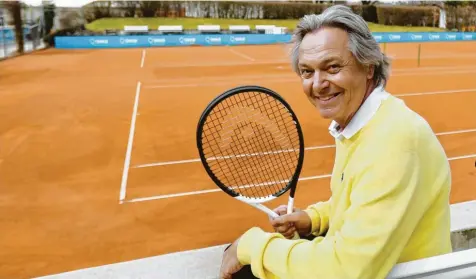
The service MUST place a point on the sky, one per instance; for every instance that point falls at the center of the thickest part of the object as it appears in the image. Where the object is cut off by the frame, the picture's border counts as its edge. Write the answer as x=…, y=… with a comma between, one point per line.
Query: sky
x=60, y=3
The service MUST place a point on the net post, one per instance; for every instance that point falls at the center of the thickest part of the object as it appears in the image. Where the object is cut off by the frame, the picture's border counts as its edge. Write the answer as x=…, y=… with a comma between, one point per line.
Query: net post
x=384, y=48
x=419, y=53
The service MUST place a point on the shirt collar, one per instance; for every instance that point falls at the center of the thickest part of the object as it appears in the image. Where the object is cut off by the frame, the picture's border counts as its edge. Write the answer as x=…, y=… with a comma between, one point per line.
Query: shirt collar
x=362, y=117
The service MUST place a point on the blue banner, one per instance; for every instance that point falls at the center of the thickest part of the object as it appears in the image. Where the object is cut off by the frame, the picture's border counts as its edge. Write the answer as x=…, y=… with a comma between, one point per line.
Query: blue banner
x=405, y=37
x=8, y=33
x=81, y=42
x=167, y=40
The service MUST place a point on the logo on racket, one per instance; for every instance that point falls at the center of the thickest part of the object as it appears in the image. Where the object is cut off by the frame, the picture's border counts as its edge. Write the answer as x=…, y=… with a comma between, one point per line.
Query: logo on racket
x=246, y=119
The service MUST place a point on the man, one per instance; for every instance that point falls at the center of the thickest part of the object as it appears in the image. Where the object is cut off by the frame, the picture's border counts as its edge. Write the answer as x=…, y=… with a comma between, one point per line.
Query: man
x=391, y=178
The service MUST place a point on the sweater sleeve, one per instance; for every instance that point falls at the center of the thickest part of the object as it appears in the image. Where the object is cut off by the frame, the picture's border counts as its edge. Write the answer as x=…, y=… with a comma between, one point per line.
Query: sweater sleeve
x=387, y=201
x=319, y=214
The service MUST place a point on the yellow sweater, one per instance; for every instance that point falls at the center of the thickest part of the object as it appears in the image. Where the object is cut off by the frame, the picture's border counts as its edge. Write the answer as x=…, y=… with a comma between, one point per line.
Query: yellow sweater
x=392, y=206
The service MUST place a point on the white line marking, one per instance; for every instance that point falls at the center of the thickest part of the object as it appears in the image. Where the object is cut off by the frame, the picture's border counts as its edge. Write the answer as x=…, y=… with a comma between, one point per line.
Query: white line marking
x=241, y=54
x=143, y=59
x=437, y=92
x=127, y=160
x=207, y=191
x=462, y=157
x=167, y=163
x=307, y=148
x=218, y=189
x=289, y=78
x=198, y=160
x=456, y=132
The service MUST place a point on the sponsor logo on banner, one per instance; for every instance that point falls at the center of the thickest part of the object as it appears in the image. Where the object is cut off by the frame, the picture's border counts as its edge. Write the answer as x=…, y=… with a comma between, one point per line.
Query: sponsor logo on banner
x=237, y=39
x=451, y=36
x=187, y=41
x=128, y=41
x=213, y=40
x=394, y=37
x=378, y=38
x=157, y=41
x=434, y=37
x=467, y=36
x=97, y=42
x=416, y=37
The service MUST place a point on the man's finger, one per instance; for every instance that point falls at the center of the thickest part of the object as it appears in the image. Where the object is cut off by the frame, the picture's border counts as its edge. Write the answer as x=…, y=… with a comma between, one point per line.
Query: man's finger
x=281, y=210
x=283, y=220
x=284, y=228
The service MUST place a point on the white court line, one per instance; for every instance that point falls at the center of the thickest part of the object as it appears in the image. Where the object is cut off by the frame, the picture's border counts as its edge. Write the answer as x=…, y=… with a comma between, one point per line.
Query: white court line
x=288, y=78
x=462, y=157
x=241, y=54
x=456, y=132
x=218, y=189
x=307, y=148
x=198, y=160
x=143, y=59
x=127, y=160
x=436, y=92
x=292, y=76
x=207, y=191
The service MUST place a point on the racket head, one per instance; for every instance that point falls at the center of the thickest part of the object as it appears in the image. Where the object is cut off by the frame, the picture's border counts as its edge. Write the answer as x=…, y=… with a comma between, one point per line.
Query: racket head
x=269, y=141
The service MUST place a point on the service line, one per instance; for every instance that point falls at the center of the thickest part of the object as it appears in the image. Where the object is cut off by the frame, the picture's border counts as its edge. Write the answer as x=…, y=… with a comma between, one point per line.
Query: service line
x=218, y=190
x=196, y=160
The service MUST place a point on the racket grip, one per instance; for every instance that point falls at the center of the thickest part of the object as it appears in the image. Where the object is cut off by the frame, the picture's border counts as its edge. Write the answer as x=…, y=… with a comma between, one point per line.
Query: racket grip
x=290, y=205
x=289, y=211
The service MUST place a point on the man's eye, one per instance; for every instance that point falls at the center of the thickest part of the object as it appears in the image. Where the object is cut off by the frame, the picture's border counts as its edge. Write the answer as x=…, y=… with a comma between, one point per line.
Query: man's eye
x=306, y=72
x=334, y=68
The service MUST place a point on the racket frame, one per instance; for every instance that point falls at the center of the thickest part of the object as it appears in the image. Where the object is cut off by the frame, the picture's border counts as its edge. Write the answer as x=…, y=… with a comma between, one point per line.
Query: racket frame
x=291, y=185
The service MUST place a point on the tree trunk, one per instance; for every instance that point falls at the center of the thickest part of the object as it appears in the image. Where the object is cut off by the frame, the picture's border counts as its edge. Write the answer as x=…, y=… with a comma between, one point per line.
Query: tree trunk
x=14, y=7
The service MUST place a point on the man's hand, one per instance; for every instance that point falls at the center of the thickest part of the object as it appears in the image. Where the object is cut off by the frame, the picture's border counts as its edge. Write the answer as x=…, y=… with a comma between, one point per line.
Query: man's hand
x=230, y=263
x=287, y=224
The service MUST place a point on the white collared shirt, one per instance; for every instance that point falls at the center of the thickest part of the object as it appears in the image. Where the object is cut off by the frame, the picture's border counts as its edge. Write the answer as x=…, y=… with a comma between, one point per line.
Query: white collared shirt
x=363, y=115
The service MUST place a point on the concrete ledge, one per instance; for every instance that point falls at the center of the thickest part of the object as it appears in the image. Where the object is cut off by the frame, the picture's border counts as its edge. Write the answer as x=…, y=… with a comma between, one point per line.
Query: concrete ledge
x=205, y=263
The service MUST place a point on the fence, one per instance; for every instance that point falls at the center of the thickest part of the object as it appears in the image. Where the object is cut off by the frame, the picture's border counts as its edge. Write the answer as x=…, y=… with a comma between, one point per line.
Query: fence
x=8, y=44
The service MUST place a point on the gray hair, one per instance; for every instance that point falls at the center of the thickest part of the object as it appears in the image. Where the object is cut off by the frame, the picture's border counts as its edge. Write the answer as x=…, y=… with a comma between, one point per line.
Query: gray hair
x=362, y=44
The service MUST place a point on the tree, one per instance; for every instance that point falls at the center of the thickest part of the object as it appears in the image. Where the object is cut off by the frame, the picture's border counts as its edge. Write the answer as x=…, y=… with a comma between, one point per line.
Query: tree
x=129, y=7
x=48, y=15
x=14, y=8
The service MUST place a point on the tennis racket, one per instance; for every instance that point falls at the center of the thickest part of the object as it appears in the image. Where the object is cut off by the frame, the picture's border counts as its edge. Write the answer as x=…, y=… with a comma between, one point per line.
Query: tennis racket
x=251, y=145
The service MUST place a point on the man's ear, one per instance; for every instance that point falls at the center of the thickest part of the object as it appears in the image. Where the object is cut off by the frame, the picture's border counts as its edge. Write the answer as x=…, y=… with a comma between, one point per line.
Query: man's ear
x=370, y=71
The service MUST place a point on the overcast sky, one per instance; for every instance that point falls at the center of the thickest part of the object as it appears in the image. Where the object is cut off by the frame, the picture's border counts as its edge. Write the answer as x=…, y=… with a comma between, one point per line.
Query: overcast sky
x=60, y=3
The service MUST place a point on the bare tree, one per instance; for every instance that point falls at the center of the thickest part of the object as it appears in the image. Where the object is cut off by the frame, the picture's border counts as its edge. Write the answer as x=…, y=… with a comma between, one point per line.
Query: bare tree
x=14, y=8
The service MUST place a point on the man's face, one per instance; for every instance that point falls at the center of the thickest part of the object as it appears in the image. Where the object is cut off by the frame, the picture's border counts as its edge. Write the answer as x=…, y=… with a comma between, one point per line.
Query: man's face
x=331, y=77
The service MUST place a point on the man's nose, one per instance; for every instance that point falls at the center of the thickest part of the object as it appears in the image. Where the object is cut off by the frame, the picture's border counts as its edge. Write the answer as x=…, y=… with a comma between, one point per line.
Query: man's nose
x=319, y=83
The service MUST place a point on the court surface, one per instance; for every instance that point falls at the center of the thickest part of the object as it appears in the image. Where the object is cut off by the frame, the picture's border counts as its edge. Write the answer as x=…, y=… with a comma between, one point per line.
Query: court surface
x=98, y=160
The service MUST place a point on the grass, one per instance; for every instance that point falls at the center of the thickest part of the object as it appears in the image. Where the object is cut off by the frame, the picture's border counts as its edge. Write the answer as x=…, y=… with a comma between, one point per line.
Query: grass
x=191, y=23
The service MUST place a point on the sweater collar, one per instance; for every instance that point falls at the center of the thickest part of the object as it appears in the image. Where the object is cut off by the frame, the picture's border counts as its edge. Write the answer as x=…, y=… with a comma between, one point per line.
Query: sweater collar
x=362, y=116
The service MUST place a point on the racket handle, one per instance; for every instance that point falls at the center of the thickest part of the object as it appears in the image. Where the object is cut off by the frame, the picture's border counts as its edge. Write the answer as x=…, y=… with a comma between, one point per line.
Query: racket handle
x=290, y=205
x=272, y=214
x=290, y=210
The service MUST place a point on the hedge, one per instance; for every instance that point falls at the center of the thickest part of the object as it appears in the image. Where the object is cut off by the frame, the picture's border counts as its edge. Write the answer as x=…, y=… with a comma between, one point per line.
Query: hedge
x=387, y=15
x=408, y=16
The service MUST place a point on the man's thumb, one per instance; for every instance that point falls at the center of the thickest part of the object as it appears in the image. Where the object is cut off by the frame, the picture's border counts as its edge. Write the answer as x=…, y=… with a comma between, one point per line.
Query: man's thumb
x=291, y=218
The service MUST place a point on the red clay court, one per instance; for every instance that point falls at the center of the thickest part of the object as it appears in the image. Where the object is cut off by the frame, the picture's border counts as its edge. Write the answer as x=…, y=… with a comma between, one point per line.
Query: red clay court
x=83, y=129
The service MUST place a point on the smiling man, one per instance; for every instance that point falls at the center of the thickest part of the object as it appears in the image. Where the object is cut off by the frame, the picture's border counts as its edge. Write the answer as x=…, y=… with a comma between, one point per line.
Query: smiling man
x=391, y=178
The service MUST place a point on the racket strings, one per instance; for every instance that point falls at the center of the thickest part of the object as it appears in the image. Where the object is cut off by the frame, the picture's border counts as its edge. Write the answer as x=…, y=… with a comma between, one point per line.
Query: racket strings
x=251, y=144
